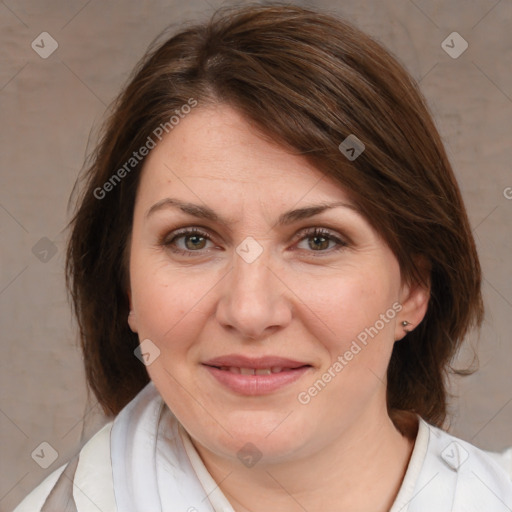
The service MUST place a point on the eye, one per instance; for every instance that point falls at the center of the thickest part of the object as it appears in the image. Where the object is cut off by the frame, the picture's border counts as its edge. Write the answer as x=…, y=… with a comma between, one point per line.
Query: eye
x=194, y=240
x=319, y=240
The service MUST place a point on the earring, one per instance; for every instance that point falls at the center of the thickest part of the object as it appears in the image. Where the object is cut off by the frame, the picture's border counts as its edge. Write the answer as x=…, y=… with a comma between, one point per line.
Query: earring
x=405, y=323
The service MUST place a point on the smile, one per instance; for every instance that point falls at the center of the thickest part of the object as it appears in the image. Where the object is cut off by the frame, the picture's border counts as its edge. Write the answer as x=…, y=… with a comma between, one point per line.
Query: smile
x=254, y=371
x=255, y=381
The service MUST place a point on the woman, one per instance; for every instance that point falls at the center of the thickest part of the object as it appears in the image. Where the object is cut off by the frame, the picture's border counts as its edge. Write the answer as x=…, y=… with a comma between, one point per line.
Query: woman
x=272, y=268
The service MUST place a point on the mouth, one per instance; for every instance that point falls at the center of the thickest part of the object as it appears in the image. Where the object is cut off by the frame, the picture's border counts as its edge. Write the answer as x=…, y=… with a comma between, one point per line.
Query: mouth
x=256, y=376
x=242, y=362
x=257, y=371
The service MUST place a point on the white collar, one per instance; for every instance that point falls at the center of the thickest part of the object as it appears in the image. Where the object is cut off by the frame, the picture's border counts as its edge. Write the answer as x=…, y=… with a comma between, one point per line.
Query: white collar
x=149, y=449
x=404, y=496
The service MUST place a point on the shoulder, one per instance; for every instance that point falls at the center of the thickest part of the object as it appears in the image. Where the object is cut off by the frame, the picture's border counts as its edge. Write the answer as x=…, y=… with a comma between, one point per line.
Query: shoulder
x=469, y=477
x=93, y=478
x=36, y=498
x=455, y=452
x=503, y=458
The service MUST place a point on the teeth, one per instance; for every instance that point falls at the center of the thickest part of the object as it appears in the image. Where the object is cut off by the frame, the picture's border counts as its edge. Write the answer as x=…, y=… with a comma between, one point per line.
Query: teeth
x=252, y=371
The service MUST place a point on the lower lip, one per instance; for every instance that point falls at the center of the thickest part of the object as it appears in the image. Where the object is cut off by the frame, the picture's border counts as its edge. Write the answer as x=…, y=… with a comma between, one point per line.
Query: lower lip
x=253, y=385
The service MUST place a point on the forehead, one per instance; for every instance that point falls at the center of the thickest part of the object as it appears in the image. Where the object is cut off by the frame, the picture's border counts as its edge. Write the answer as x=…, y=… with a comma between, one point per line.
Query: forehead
x=216, y=150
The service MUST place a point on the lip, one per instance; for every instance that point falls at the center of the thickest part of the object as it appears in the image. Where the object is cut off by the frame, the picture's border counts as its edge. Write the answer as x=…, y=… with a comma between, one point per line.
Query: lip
x=254, y=385
x=254, y=362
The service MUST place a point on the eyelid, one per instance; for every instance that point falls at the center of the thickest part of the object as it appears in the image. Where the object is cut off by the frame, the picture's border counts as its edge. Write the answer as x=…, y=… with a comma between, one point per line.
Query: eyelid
x=342, y=241
x=169, y=236
x=331, y=235
x=321, y=225
x=321, y=230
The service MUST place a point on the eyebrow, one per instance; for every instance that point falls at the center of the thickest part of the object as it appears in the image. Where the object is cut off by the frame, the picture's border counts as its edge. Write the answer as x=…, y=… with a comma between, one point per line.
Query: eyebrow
x=205, y=212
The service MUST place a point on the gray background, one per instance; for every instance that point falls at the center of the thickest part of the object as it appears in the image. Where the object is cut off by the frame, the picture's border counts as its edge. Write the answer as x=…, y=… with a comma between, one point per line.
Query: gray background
x=48, y=108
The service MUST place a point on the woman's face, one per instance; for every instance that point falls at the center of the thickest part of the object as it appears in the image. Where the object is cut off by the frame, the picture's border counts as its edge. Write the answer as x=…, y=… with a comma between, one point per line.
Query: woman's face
x=311, y=318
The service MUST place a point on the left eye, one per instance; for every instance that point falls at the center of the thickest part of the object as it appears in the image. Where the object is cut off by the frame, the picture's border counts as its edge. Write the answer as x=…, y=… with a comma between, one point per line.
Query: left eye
x=195, y=240
x=320, y=238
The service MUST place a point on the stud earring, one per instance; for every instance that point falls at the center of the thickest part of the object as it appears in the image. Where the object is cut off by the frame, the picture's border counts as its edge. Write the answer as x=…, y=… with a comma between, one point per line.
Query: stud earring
x=405, y=323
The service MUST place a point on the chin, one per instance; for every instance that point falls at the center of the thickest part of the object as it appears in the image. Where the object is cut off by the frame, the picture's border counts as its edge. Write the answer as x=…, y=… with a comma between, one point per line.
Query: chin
x=266, y=435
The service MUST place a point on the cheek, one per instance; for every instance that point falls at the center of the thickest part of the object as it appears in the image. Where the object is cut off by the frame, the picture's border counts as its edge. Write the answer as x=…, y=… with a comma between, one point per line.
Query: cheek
x=173, y=307
x=162, y=302
x=355, y=326
x=163, y=309
x=357, y=336
x=350, y=307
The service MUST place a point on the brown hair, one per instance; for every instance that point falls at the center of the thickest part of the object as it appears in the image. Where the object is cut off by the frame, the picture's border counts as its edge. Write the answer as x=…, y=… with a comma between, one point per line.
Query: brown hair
x=306, y=80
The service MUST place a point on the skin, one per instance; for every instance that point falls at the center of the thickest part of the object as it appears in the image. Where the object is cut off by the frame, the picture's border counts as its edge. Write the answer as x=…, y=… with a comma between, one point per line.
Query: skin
x=299, y=299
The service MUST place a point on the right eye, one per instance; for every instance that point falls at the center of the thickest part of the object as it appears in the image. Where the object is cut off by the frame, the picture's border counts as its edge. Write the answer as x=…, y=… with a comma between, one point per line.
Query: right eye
x=194, y=241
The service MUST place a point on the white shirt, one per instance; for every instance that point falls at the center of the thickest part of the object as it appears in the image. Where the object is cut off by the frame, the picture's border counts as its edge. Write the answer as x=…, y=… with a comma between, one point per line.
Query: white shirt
x=144, y=461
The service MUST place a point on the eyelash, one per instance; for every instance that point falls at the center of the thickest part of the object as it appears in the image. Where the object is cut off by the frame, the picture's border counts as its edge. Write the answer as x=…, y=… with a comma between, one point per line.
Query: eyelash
x=308, y=233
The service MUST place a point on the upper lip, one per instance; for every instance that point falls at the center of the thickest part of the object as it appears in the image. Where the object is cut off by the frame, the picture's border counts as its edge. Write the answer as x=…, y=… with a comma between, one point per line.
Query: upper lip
x=239, y=361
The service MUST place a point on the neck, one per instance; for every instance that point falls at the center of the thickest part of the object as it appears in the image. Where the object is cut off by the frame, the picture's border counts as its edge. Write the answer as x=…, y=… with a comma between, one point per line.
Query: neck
x=362, y=470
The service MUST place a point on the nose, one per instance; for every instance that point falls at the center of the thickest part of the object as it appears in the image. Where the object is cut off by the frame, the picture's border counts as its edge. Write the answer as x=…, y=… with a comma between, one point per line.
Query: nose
x=255, y=301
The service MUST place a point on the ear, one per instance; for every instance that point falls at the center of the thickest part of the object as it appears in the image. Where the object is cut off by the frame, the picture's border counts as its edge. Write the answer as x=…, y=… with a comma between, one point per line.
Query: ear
x=414, y=298
x=132, y=318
